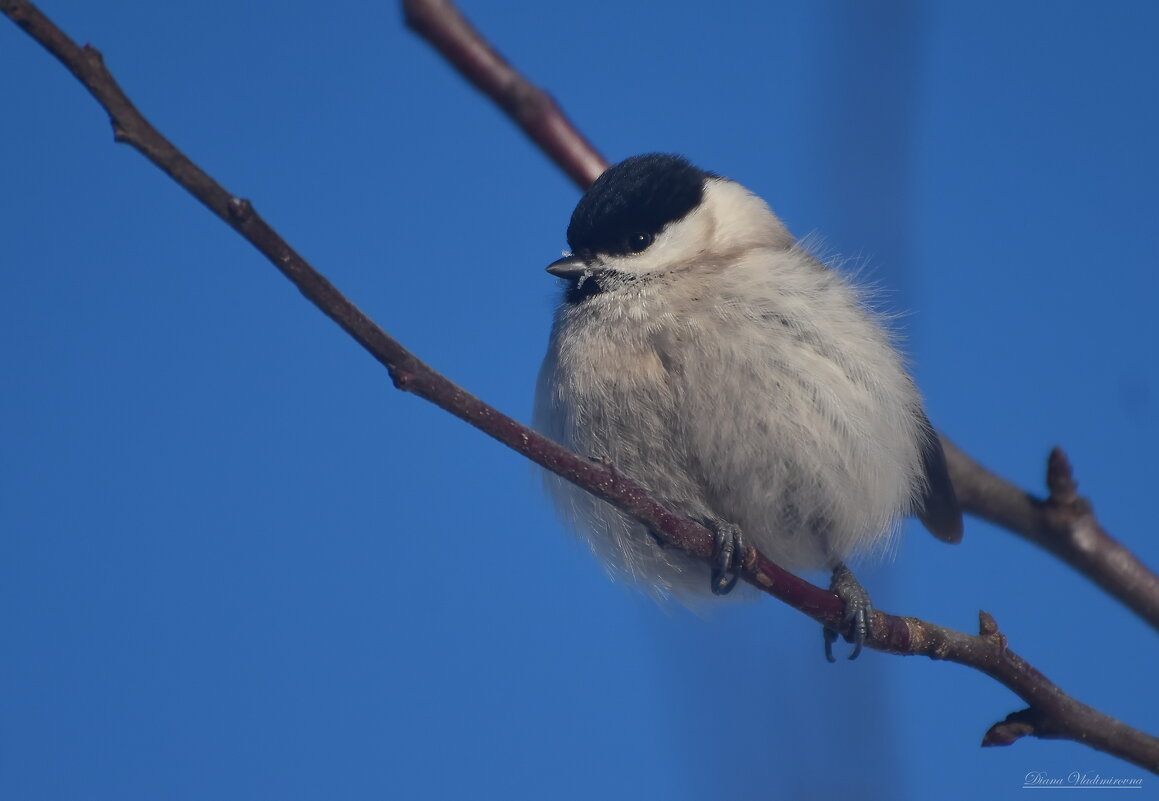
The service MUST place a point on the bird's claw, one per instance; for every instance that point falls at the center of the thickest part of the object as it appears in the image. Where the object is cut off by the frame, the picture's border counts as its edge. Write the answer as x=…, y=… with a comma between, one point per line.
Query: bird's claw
x=728, y=558
x=858, y=612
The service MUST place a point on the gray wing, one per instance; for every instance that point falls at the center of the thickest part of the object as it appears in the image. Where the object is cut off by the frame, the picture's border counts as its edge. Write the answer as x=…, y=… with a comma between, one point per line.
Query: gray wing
x=939, y=510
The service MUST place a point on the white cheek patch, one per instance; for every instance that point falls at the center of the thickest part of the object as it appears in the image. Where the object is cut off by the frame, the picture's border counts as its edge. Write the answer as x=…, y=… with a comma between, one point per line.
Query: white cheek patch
x=677, y=244
x=742, y=220
x=729, y=220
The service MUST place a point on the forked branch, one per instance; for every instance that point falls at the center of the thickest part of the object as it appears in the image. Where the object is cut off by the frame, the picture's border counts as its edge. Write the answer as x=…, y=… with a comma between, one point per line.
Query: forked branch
x=1050, y=713
x=1063, y=524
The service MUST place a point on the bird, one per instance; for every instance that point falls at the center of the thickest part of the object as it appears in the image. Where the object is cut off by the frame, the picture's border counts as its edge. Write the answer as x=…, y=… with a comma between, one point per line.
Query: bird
x=703, y=351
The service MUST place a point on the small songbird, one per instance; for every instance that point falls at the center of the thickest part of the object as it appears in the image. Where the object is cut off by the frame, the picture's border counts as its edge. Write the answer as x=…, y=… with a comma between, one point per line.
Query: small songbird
x=702, y=351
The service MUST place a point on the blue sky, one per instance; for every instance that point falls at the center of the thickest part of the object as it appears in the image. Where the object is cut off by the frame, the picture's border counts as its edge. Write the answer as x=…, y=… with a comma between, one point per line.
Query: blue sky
x=236, y=563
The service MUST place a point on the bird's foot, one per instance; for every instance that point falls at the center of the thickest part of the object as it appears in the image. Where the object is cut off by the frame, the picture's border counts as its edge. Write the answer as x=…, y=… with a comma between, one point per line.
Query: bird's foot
x=858, y=611
x=729, y=556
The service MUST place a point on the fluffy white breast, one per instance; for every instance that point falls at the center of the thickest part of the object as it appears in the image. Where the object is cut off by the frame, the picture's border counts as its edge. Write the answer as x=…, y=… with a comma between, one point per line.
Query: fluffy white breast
x=735, y=378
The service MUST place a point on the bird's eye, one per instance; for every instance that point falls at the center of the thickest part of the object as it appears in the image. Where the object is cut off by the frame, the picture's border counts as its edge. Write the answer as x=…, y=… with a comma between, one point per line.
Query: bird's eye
x=639, y=241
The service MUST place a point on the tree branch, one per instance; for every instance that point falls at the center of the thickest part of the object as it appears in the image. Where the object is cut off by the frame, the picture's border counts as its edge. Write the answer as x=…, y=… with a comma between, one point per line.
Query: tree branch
x=441, y=24
x=1063, y=524
x=1050, y=712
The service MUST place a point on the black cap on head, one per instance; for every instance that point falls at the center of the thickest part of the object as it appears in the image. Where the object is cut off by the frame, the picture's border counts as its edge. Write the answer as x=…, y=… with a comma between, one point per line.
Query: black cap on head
x=641, y=194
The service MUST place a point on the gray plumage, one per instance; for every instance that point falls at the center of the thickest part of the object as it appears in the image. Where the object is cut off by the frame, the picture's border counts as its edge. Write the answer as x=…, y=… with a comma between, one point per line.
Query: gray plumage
x=704, y=353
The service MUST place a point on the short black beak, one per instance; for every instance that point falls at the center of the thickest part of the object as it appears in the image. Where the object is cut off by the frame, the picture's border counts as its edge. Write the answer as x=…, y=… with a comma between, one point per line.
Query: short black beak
x=570, y=267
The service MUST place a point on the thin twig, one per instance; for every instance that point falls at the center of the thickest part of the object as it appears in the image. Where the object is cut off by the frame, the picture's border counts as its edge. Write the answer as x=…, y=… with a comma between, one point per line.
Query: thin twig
x=1066, y=528
x=441, y=24
x=1063, y=524
x=1051, y=713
